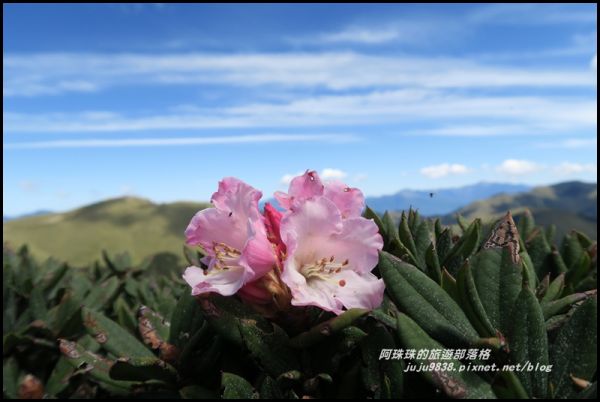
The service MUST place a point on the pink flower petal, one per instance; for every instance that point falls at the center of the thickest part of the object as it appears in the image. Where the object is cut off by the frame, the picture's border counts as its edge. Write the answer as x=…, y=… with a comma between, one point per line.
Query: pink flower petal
x=324, y=249
x=359, y=291
x=224, y=282
x=350, y=201
x=301, y=188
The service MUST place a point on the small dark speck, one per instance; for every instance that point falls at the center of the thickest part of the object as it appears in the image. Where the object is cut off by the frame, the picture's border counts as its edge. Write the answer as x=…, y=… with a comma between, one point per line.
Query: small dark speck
x=430, y=195
x=231, y=213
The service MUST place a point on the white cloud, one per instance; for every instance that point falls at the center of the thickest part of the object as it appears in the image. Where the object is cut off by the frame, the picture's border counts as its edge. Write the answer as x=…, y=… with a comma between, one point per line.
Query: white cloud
x=516, y=167
x=161, y=142
x=332, y=174
x=445, y=169
x=518, y=114
x=55, y=73
x=570, y=168
x=572, y=143
x=594, y=62
x=361, y=35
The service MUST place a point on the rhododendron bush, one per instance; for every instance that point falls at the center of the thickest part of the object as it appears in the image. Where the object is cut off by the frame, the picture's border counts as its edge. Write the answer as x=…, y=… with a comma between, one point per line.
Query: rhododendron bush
x=317, y=296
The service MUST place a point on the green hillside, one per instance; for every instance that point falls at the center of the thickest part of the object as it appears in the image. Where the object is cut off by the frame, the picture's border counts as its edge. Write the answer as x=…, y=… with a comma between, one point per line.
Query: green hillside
x=569, y=205
x=123, y=224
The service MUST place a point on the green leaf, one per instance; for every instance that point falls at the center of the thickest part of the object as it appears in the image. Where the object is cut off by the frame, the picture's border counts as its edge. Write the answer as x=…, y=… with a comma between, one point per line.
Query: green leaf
x=59, y=378
x=65, y=318
x=267, y=343
x=270, y=348
x=529, y=343
x=97, y=367
x=405, y=235
x=555, y=289
x=540, y=252
x=471, y=303
x=526, y=224
x=425, y=301
x=579, y=270
x=444, y=244
x=120, y=263
x=102, y=295
x=125, y=316
x=498, y=282
x=574, y=352
x=455, y=383
x=433, y=264
x=530, y=277
x=236, y=387
x=463, y=248
x=54, y=279
x=154, y=329
x=327, y=329
x=370, y=214
x=142, y=369
x=462, y=222
x=186, y=320
x=558, y=306
x=10, y=375
x=197, y=392
x=37, y=304
x=382, y=378
x=449, y=285
x=558, y=264
x=571, y=250
x=112, y=337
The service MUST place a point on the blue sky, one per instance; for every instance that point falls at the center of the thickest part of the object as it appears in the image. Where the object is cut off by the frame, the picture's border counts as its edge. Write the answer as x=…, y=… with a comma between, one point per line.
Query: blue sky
x=163, y=100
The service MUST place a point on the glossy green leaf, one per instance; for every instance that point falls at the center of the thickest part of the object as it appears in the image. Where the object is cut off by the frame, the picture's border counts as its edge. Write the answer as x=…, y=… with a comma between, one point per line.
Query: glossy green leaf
x=529, y=344
x=574, y=351
x=112, y=337
x=97, y=366
x=142, y=369
x=455, y=384
x=425, y=301
x=471, y=303
x=236, y=387
x=555, y=289
x=327, y=329
x=498, y=282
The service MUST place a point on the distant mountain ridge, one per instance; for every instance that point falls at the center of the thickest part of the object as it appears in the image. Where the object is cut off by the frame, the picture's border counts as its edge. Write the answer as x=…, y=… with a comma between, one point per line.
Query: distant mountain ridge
x=441, y=201
x=132, y=224
x=568, y=205
x=145, y=228
x=35, y=213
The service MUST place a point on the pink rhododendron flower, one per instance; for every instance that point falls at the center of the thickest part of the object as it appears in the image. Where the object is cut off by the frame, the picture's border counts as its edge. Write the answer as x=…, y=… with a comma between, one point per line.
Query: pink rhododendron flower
x=319, y=252
x=329, y=259
x=350, y=201
x=234, y=237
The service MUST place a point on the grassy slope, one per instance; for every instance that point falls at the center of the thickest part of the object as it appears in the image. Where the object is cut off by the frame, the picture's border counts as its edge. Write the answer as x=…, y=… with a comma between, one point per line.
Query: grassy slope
x=123, y=224
x=571, y=205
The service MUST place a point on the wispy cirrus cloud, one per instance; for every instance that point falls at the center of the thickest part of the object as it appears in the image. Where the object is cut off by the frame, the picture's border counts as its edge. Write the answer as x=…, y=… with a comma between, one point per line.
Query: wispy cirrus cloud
x=55, y=73
x=573, y=168
x=184, y=141
x=510, y=115
x=571, y=143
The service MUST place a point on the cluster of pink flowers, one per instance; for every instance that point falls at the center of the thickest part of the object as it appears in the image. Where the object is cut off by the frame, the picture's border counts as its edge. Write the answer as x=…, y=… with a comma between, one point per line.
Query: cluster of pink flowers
x=319, y=251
